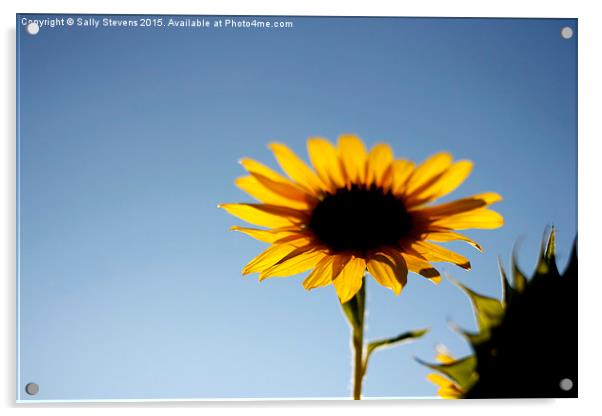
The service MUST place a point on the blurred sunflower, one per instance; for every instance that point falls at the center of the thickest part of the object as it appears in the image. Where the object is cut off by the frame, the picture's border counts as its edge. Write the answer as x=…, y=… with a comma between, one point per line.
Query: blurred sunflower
x=526, y=343
x=357, y=210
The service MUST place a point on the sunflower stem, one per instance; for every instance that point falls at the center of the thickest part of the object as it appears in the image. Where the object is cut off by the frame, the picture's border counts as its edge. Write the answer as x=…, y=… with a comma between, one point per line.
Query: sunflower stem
x=358, y=359
x=354, y=311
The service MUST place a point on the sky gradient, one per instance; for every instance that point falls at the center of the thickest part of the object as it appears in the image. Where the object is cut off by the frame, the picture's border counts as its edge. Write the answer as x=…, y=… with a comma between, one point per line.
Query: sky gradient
x=129, y=278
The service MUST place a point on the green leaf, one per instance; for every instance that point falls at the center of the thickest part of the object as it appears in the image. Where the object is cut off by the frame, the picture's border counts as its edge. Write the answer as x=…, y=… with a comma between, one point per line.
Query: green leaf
x=388, y=342
x=354, y=308
x=551, y=247
x=547, y=258
x=507, y=290
x=520, y=281
x=488, y=311
x=462, y=371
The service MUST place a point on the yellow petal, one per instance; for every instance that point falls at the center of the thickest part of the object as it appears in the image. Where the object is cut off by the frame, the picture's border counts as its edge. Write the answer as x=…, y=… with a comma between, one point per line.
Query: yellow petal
x=285, y=189
x=448, y=389
x=422, y=267
x=444, y=358
x=265, y=215
x=452, y=392
x=298, y=261
x=479, y=218
x=352, y=154
x=438, y=380
x=389, y=269
x=296, y=168
x=320, y=275
x=444, y=184
x=459, y=206
x=267, y=236
x=257, y=190
x=324, y=157
x=349, y=281
x=252, y=166
x=428, y=172
x=326, y=271
x=434, y=252
x=379, y=164
x=446, y=236
x=454, y=177
x=268, y=258
x=298, y=239
x=402, y=170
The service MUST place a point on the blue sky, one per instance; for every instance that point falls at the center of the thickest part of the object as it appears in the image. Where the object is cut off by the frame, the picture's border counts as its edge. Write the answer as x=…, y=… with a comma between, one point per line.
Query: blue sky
x=130, y=283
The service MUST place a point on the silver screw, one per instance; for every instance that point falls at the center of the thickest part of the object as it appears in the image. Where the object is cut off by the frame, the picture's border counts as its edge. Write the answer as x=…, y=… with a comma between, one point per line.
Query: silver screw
x=32, y=28
x=566, y=384
x=566, y=32
x=32, y=389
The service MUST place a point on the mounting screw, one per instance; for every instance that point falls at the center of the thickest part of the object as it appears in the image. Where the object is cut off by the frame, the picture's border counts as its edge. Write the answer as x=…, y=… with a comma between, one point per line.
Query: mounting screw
x=32, y=389
x=566, y=32
x=566, y=384
x=32, y=28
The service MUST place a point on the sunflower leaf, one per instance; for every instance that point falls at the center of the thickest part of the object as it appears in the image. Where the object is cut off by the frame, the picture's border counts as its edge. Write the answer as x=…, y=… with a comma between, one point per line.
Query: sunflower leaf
x=354, y=309
x=520, y=281
x=388, y=342
x=462, y=371
x=507, y=290
x=547, y=257
x=488, y=311
x=550, y=253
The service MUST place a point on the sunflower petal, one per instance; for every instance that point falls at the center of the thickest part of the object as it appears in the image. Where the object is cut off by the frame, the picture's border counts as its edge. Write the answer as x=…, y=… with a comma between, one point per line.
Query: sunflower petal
x=267, y=258
x=353, y=157
x=379, y=164
x=324, y=157
x=389, y=269
x=454, y=177
x=446, y=236
x=298, y=261
x=444, y=358
x=267, y=236
x=252, y=166
x=447, y=388
x=320, y=275
x=265, y=215
x=298, y=240
x=251, y=185
x=479, y=218
x=285, y=189
x=438, y=380
x=446, y=183
x=349, y=281
x=402, y=170
x=326, y=271
x=459, y=206
x=428, y=171
x=434, y=252
x=422, y=267
x=296, y=168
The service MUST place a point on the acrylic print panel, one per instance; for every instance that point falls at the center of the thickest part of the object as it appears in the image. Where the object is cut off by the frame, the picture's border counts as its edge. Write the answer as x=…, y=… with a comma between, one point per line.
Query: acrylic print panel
x=381, y=165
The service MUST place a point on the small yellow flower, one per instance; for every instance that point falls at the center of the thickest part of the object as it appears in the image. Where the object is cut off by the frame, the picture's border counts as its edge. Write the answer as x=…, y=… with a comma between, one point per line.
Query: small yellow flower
x=357, y=210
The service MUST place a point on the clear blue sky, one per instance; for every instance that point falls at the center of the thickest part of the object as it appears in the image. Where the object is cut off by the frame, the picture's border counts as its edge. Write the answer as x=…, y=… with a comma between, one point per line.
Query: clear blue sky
x=130, y=283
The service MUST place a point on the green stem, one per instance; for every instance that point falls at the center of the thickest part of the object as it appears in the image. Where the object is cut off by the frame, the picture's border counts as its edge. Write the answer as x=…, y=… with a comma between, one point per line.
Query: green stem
x=354, y=311
x=358, y=361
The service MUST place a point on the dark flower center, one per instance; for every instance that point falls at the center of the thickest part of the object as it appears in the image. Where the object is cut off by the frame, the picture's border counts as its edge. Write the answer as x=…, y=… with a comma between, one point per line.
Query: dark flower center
x=359, y=219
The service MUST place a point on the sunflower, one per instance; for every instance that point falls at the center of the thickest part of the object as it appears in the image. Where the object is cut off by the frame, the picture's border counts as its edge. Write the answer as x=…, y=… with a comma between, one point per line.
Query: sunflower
x=526, y=342
x=357, y=211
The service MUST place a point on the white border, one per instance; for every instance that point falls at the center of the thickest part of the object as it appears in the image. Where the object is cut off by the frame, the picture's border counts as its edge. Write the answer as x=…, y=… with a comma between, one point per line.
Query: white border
x=590, y=30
